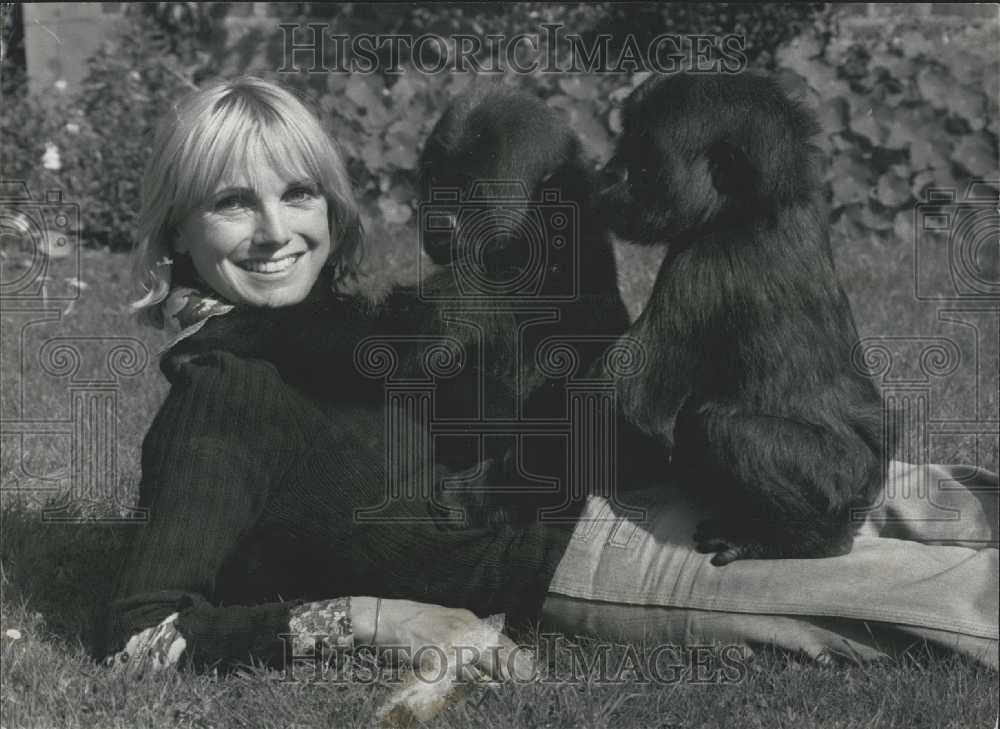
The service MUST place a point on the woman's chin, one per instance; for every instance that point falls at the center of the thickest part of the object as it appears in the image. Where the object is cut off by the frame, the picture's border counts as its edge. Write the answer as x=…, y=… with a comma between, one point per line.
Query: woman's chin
x=270, y=297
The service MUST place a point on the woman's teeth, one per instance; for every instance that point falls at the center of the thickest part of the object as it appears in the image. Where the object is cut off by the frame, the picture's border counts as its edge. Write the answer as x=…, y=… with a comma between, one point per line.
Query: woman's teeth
x=278, y=266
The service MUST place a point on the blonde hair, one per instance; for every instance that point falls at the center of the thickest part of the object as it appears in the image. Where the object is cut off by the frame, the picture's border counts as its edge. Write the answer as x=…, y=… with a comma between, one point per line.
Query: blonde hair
x=216, y=132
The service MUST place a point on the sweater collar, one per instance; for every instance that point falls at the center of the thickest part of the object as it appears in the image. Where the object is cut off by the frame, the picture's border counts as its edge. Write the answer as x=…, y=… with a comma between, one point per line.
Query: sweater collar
x=186, y=309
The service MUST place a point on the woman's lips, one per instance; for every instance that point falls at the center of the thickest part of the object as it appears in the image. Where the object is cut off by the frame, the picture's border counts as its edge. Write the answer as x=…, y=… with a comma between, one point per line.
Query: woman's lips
x=277, y=265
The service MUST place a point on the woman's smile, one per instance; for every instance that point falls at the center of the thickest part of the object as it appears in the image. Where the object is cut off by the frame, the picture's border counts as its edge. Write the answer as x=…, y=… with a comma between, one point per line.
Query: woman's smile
x=270, y=266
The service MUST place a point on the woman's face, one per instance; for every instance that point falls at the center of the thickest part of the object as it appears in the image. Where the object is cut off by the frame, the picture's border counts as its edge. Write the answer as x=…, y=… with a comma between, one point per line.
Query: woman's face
x=261, y=247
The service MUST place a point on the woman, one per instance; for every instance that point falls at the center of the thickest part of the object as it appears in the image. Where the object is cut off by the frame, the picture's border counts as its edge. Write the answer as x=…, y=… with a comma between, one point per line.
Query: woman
x=249, y=485
x=252, y=487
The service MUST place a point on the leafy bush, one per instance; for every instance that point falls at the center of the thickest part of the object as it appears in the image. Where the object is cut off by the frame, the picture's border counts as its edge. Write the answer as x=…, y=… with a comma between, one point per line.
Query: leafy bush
x=765, y=26
x=902, y=111
x=93, y=145
x=929, y=119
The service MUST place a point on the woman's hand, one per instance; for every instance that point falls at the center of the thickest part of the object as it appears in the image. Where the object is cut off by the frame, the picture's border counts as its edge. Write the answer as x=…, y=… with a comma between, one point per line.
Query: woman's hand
x=449, y=647
x=150, y=650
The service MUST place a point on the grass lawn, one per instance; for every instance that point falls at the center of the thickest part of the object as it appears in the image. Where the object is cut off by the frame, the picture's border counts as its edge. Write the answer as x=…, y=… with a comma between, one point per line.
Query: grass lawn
x=54, y=575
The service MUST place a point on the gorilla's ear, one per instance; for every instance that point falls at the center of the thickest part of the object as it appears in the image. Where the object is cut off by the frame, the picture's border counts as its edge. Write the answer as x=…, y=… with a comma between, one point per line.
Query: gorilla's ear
x=730, y=168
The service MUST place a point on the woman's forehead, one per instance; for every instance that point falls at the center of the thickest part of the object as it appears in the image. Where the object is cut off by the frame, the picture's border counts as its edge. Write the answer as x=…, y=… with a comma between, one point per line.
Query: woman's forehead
x=261, y=177
x=260, y=164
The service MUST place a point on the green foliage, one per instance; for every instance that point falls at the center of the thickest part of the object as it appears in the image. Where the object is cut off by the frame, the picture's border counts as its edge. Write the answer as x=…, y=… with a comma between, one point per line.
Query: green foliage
x=93, y=145
x=902, y=112
x=764, y=26
x=98, y=139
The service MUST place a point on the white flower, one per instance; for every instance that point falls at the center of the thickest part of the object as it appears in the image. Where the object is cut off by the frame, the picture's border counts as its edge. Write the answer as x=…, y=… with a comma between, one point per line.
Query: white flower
x=13, y=634
x=73, y=128
x=51, y=159
x=61, y=85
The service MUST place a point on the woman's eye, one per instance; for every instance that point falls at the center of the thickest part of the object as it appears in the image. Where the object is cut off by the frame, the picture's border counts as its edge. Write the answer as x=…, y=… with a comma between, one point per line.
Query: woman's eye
x=301, y=193
x=232, y=202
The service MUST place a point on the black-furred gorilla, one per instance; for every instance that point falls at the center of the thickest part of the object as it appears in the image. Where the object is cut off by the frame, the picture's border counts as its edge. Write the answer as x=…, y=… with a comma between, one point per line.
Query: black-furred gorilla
x=516, y=272
x=748, y=334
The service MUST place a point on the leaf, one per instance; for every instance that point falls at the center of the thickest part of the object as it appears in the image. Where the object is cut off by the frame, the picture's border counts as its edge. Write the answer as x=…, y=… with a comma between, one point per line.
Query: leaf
x=577, y=88
x=402, y=193
x=870, y=219
x=851, y=180
x=348, y=147
x=902, y=226
x=594, y=137
x=975, y=154
x=866, y=125
x=615, y=116
x=968, y=104
x=848, y=225
x=914, y=44
x=903, y=131
x=619, y=95
x=833, y=114
x=925, y=154
x=401, y=144
x=934, y=85
x=394, y=212
x=402, y=91
x=840, y=143
x=944, y=178
x=892, y=191
x=837, y=50
x=898, y=67
x=363, y=95
x=799, y=51
x=921, y=181
x=822, y=79
x=372, y=153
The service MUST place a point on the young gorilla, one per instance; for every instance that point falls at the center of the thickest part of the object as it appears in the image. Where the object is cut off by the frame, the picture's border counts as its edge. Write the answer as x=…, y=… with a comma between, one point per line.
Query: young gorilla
x=516, y=272
x=750, y=337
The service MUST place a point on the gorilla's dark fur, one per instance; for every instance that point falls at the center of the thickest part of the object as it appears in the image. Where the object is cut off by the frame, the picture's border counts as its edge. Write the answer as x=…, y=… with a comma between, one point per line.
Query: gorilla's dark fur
x=749, y=335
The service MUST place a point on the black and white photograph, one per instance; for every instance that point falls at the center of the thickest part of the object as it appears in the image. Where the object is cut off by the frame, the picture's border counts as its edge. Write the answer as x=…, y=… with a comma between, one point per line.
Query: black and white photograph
x=499, y=364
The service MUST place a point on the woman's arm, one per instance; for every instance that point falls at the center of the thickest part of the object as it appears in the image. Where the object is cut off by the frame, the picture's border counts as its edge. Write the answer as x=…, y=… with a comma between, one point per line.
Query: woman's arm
x=220, y=441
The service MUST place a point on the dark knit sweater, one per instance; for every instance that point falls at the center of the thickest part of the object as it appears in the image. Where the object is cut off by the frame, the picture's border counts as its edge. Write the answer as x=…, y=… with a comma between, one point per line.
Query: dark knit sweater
x=252, y=490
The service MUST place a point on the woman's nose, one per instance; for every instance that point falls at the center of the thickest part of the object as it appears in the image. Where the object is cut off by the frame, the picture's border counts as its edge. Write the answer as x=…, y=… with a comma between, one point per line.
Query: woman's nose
x=272, y=228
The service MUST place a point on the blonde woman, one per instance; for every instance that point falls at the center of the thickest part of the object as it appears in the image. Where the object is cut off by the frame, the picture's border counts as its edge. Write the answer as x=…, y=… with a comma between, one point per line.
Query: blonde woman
x=251, y=487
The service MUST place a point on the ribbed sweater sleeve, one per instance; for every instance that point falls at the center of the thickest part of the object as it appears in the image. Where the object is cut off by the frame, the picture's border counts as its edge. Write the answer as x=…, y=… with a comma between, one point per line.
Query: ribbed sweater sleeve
x=233, y=448
x=219, y=442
